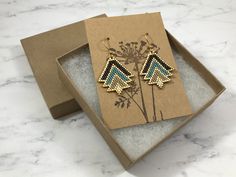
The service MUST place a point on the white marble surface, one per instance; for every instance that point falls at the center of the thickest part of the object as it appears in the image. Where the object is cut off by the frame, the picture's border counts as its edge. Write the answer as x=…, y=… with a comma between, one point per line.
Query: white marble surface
x=33, y=144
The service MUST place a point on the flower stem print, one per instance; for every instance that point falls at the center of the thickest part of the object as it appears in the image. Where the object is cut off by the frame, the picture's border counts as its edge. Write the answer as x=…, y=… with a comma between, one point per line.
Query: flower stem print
x=153, y=105
x=134, y=53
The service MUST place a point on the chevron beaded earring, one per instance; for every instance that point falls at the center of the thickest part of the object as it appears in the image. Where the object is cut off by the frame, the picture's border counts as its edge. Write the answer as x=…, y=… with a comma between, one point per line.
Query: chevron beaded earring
x=155, y=69
x=114, y=75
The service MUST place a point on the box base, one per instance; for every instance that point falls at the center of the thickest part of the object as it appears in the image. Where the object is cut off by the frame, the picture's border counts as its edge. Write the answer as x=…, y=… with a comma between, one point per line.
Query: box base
x=138, y=140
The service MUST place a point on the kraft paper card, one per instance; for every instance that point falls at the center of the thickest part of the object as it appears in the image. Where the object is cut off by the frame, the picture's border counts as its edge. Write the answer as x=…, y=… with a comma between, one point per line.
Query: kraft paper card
x=142, y=102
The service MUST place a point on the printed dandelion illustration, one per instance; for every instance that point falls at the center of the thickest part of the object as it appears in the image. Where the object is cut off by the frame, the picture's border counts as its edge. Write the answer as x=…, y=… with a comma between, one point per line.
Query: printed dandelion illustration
x=134, y=53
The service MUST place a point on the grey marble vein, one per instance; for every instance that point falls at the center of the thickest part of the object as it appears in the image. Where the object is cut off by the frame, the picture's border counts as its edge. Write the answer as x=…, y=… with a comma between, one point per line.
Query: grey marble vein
x=33, y=144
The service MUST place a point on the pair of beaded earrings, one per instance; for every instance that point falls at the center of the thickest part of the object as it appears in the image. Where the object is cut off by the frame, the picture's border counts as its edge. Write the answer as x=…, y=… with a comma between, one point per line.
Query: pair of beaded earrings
x=116, y=77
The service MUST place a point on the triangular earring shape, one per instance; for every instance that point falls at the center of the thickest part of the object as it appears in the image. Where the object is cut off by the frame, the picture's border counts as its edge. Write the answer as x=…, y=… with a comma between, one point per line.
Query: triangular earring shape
x=156, y=70
x=115, y=76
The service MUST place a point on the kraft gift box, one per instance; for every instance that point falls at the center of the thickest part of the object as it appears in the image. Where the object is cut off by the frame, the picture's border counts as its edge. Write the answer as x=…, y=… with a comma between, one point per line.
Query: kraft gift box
x=68, y=45
x=132, y=143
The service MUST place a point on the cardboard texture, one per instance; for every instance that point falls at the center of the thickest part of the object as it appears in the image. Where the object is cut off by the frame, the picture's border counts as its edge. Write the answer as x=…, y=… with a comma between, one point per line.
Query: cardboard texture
x=150, y=103
x=41, y=51
x=125, y=160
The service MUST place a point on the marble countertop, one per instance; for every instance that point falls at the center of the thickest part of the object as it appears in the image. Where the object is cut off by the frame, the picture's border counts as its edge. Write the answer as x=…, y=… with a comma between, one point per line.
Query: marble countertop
x=33, y=144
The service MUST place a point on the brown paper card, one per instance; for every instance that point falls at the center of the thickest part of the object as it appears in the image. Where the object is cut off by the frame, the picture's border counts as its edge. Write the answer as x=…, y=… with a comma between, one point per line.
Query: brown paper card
x=149, y=103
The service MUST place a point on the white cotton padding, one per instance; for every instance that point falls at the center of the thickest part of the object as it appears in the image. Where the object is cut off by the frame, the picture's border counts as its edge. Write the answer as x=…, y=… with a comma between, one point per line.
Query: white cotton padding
x=137, y=140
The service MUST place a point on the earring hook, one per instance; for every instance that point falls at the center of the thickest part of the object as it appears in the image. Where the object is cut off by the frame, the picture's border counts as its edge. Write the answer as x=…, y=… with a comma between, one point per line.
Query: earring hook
x=107, y=45
x=149, y=40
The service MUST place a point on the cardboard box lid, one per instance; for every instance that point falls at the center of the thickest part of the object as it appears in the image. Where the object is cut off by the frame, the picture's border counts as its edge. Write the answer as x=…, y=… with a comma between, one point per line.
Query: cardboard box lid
x=41, y=51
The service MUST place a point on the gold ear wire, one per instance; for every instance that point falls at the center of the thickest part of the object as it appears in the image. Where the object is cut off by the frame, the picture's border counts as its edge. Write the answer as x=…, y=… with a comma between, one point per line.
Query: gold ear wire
x=106, y=44
x=146, y=37
x=149, y=40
